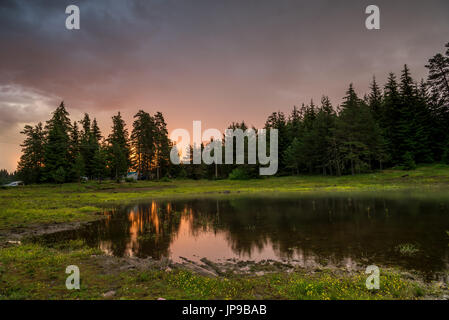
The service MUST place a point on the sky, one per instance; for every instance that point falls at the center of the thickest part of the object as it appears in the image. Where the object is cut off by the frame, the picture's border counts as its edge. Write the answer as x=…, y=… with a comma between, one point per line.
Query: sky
x=216, y=61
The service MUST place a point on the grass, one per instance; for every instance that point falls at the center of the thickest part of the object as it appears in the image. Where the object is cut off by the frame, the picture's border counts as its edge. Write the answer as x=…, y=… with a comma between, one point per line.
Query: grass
x=407, y=249
x=45, y=204
x=34, y=271
x=31, y=271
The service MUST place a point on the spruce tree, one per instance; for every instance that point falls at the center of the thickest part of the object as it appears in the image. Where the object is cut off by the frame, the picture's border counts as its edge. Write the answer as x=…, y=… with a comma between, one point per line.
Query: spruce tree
x=86, y=150
x=30, y=166
x=118, y=148
x=57, y=145
x=163, y=145
x=277, y=121
x=143, y=143
x=375, y=100
x=438, y=101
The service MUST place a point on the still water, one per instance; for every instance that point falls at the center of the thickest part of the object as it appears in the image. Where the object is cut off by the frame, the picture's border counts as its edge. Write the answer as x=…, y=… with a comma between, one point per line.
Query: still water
x=342, y=231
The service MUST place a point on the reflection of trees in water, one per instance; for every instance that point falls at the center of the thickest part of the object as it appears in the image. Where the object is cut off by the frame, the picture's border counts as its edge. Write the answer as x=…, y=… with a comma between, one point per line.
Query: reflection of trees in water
x=139, y=231
x=333, y=228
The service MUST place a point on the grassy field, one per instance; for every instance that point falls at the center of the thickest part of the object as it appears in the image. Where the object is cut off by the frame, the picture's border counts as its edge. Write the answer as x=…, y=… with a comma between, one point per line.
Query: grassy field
x=34, y=271
x=31, y=271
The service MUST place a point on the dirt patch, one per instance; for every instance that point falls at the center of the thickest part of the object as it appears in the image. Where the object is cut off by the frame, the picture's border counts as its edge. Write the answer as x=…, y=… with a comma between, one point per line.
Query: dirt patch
x=17, y=234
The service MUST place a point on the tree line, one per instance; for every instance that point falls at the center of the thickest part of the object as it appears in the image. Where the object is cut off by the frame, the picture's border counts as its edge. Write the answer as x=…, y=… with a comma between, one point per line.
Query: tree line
x=401, y=124
x=7, y=177
x=62, y=151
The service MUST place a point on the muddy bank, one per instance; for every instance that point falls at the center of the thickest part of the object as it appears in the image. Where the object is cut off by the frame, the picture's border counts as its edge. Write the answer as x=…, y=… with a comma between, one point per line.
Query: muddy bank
x=20, y=234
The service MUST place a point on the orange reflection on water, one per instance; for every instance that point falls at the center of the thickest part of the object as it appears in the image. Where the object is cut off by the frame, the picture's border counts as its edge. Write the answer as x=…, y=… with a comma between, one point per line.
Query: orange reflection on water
x=181, y=234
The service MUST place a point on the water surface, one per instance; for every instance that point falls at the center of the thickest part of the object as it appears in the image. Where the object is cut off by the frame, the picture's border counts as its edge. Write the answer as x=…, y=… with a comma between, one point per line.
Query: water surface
x=340, y=230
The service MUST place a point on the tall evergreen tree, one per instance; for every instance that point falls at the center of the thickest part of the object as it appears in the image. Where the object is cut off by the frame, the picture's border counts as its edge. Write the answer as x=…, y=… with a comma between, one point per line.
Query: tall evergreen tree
x=439, y=78
x=357, y=133
x=118, y=148
x=277, y=121
x=75, y=155
x=391, y=115
x=30, y=166
x=375, y=100
x=438, y=101
x=163, y=145
x=57, y=145
x=143, y=143
x=86, y=150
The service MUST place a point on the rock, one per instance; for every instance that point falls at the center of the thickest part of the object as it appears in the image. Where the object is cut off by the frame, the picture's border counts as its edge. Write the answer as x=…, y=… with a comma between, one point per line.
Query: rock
x=197, y=269
x=210, y=265
x=14, y=242
x=260, y=273
x=109, y=294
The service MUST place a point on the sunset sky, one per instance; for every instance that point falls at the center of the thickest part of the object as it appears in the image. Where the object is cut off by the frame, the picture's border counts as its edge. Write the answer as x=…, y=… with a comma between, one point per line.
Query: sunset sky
x=216, y=61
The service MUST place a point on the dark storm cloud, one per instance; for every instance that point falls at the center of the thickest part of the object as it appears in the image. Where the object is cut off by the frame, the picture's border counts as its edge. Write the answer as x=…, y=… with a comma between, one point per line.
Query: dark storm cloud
x=213, y=60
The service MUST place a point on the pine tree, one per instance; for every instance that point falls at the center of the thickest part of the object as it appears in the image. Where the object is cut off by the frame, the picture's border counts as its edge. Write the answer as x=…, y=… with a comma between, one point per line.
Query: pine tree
x=118, y=148
x=322, y=132
x=143, y=143
x=89, y=143
x=390, y=118
x=277, y=121
x=439, y=78
x=74, y=153
x=375, y=100
x=357, y=133
x=438, y=101
x=86, y=150
x=57, y=146
x=30, y=166
x=163, y=145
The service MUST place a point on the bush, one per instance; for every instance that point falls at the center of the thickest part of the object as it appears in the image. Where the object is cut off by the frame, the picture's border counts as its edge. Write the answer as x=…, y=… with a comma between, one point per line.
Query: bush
x=408, y=162
x=165, y=179
x=239, y=174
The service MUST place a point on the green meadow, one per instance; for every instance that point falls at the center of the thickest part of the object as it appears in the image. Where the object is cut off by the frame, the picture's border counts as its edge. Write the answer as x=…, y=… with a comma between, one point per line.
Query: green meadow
x=31, y=270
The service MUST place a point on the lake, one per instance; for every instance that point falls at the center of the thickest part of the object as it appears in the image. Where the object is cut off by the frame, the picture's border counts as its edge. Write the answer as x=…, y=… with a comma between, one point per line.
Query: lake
x=342, y=231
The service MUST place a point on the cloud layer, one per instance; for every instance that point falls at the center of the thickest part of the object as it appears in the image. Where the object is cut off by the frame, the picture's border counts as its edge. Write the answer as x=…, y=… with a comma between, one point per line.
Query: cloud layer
x=215, y=61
